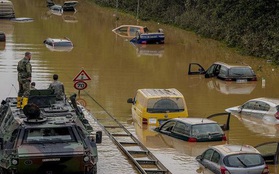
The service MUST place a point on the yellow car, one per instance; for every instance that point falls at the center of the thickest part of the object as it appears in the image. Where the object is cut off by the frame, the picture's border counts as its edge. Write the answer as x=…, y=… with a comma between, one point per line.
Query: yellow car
x=154, y=106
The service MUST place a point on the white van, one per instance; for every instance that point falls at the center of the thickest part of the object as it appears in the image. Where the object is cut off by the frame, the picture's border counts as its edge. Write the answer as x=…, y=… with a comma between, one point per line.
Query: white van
x=6, y=9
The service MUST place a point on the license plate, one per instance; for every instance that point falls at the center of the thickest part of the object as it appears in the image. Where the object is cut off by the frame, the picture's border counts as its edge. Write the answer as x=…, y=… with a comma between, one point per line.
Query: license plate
x=241, y=80
x=152, y=121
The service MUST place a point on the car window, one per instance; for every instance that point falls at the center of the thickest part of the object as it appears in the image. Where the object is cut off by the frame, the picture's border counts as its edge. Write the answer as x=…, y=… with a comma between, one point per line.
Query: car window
x=168, y=126
x=223, y=71
x=63, y=44
x=263, y=106
x=207, y=154
x=240, y=71
x=215, y=157
x=211, y=69
x=249, y=105
x=165, y=105
x=243, y=160
x=179, y=128
x=202, y=129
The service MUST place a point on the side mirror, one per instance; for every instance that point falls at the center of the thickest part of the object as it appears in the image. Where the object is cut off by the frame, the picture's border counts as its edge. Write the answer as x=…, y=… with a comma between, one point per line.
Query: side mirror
x=130, y=100
x=99, y=135
x=239, y=109
x=199, y=158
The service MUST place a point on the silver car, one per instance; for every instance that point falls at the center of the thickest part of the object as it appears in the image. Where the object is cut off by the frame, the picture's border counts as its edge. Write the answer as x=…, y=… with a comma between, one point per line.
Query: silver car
x=232, y=159
x=261, y=110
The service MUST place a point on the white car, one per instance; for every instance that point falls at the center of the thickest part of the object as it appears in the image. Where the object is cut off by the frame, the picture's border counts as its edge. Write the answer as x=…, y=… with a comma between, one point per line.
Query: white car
x=59, y=44
x=261, y=110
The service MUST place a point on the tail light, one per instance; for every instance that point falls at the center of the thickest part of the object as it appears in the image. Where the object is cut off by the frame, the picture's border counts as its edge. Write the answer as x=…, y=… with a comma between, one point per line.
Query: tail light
x=144, y=121
x=224, y=170
x=224, y=138
x=276, y=115
x=254, y=79
x=265, y=170
x=191, y=139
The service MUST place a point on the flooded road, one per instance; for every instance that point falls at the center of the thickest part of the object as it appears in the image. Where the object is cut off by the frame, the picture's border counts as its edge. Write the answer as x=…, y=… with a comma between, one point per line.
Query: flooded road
x=118, y=68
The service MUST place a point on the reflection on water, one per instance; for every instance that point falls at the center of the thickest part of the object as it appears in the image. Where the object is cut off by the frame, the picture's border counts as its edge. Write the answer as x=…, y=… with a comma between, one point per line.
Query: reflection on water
x=226, y=87
x=149, y=50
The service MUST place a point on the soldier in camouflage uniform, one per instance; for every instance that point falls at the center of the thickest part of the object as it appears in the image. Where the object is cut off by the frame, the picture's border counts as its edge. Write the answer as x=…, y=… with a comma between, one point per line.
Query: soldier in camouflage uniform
x=57, y=87
x=24, y=70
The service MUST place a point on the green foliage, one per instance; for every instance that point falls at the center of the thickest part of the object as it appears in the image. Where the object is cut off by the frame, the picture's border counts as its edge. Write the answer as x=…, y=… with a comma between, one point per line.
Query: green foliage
x=251, y=25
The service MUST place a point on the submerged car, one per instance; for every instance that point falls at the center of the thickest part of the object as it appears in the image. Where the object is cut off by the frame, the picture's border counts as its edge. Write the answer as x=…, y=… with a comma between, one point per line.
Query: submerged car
x=59, y=44
x=154, y=106
x=232, y=159
x=128, y=31
x=192, y=129
x=67, y=6
x=263, y=110
x=224, y=71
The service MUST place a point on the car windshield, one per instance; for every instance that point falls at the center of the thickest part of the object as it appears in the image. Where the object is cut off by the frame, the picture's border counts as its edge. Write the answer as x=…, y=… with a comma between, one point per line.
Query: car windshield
x=42, y=135
x=240, y=71
x=243, y=160
x=64, y=44
x=206, y=129
x=165, y=105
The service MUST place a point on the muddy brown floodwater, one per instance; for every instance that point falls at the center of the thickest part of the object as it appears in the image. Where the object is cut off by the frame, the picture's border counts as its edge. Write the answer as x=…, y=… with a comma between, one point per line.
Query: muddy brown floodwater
x=117, y=69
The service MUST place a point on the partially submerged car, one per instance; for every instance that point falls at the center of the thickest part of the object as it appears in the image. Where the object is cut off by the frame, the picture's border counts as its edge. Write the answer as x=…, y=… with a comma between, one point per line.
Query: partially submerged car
x=224, y=71
x=128, y=31
x=59, y=44
x=263, y=110
x=154, y=106
x=233, y=159
x=192, y=129
x=67, y=6
x=6, y=9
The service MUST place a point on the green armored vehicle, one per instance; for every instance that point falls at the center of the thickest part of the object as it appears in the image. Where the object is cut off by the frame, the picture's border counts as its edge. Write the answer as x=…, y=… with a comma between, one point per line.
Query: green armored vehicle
x=47, y=136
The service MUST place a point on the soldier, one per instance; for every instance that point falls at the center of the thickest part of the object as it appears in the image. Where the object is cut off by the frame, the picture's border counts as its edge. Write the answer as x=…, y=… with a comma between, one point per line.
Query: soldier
x=58, y=88
x=24, y=70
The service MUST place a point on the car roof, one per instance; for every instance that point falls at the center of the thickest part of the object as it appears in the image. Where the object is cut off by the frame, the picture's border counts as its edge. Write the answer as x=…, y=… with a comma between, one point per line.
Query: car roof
x=271, y=101
x=232, y=65
x=156, y=93
x=228, y=149
x=195, y=121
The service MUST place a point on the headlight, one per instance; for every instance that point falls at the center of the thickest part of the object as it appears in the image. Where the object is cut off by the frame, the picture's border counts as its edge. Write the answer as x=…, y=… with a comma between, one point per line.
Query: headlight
x=86, y=158
x=14, y=161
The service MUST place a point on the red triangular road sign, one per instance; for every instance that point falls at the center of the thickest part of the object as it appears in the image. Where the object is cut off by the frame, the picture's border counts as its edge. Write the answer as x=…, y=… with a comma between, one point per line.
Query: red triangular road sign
x=82, y=76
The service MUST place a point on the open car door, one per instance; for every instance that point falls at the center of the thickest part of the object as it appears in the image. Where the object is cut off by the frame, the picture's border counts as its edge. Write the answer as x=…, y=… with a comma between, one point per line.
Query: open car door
x=226, y=116
x=269, y=151
x=195, y=68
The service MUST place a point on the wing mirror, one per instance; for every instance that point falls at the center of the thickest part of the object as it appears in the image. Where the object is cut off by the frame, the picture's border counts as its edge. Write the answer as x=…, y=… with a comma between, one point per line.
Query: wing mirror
x=130, y=100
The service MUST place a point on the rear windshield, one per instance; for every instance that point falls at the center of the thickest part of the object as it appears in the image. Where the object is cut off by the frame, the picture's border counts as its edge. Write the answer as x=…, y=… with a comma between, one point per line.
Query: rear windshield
x=64, y=44
x=202, y=129
x=244, y=160
x=241, y=72
x=165, y=105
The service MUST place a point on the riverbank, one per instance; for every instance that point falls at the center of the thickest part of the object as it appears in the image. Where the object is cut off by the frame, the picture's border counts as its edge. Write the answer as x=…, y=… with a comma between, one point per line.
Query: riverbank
x=249, y=26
